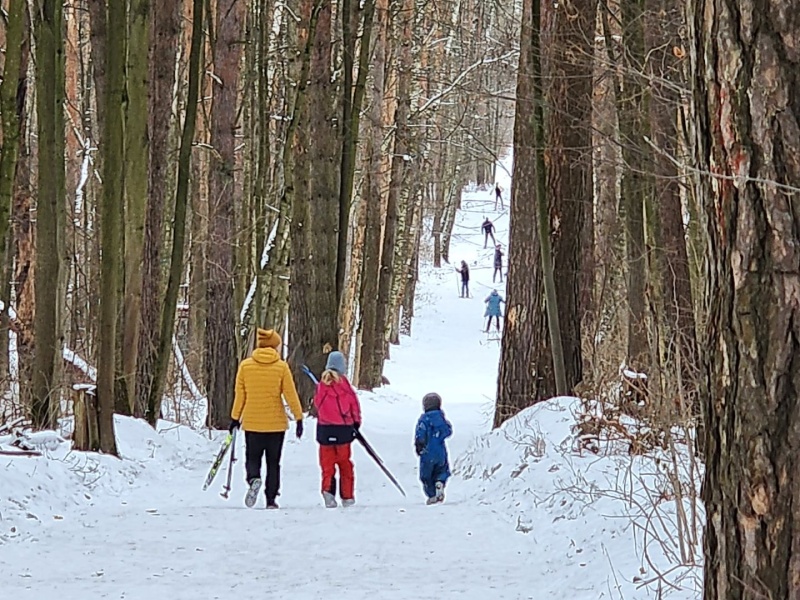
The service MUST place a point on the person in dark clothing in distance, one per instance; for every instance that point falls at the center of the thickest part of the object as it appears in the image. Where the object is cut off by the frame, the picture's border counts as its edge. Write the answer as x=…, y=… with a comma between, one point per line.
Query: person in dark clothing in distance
x=498, y=263
x=464, y=270
x=488, y=231
x=498, y=196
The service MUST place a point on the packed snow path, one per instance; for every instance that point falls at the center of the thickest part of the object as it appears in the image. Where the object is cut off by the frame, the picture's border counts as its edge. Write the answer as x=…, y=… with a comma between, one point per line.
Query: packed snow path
x=165, y=538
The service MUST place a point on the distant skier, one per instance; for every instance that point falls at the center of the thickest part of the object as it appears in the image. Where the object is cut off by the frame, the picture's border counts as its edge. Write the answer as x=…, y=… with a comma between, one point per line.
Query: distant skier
x=493, y=302
x=339, y=417
x=263, y=382
x=488, y=231
x=464, y=270
x=432, y=430
x=498, y=196
x=498, y=263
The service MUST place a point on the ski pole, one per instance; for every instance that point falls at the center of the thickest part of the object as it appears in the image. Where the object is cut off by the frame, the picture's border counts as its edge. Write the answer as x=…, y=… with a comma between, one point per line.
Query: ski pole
x=374, y=455
x=227, y=488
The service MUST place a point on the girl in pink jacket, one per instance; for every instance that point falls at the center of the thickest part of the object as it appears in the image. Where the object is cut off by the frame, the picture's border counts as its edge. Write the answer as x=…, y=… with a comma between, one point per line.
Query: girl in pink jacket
x=338, y=420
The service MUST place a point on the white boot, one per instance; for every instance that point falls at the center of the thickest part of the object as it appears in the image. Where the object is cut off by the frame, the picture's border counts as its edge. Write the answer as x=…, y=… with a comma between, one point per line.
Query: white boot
x=330, y=500
x=348, y=502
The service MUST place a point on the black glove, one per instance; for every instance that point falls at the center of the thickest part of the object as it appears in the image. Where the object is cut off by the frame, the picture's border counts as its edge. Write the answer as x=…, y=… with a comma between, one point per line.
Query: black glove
x=299, y=429
x=419, y=446
x=235, y=424
x=356, y=425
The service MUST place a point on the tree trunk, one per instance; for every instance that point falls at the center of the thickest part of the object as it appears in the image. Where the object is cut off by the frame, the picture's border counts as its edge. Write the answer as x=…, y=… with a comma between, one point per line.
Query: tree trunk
x=111, y=220
x=635, y=157
x=165, y=27
x=221, y=356
x=324, y=157
x=747, y=121
x=570, y=29
x=136, y=187
x=302, y=333
x=367, y=375
x=13, y=79
x=179, y=224
x=526, y=375
x=353, y=99
x=672, y=262
x=400, y=165
x=50, y=213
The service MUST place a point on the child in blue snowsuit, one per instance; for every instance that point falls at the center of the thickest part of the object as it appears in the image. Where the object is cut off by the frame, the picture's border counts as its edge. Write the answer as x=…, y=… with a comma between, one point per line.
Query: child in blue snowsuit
x=432, y=430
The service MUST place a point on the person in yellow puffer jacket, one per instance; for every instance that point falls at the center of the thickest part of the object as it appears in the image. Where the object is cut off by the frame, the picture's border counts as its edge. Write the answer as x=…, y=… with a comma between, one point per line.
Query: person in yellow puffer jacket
x=263, y=382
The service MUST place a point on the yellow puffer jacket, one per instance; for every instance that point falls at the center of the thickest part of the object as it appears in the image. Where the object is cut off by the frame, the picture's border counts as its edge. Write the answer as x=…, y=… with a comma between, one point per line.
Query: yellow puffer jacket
x=262, y=383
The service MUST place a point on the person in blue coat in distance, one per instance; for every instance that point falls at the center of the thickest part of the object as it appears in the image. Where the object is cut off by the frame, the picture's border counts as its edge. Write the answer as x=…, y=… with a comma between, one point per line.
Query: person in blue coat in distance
x=429, y=440
x=493, y=302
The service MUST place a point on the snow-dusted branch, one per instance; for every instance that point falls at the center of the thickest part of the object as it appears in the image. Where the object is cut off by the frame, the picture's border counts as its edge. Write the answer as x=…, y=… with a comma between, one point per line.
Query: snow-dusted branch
x=251, y=292
x=75, y=359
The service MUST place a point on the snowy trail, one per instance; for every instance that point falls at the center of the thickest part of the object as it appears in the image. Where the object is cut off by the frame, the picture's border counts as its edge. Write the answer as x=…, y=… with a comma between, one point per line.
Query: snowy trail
x=164, y=538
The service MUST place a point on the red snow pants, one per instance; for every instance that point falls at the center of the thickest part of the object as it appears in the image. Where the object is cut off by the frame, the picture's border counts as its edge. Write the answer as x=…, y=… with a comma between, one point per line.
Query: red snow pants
x=329, y=458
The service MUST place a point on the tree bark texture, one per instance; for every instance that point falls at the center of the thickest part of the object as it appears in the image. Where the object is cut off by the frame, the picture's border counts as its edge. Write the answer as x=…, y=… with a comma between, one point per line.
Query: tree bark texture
x=367, y=375
x=568, y=65
x=304, y=334
x=221, y=356
x=165, y=27
x=179, y=225
x=50, y=212
x=746, y=70
x=111, y=210
x=136, y=187
x=526, y=375
x=664, y=20
x=635, y=153
x=399, y=168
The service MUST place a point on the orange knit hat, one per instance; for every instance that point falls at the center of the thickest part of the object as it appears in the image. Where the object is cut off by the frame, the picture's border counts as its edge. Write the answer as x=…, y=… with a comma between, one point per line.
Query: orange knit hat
x=268, y=338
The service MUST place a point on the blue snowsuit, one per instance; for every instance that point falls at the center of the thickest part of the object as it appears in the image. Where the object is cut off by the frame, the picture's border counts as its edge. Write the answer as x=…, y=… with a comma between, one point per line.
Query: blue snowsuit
x=432, y=430
x=493, y=305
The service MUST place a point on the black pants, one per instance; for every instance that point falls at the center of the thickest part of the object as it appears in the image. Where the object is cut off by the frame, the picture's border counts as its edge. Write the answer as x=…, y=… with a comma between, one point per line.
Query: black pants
x=496, y=323
x=269, y=445
x=497, y=270
x=486, y=238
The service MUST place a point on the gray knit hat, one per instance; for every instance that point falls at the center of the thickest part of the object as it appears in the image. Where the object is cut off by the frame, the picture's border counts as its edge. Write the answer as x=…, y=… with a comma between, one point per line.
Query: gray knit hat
x=432, y=401
x=336, y=362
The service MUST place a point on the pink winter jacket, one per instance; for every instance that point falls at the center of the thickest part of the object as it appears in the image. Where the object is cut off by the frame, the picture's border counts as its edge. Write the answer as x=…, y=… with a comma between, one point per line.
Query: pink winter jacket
x=337, y=404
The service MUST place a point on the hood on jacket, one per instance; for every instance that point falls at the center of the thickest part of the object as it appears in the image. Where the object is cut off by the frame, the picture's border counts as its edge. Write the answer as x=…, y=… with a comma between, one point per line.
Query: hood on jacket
x=266, y=356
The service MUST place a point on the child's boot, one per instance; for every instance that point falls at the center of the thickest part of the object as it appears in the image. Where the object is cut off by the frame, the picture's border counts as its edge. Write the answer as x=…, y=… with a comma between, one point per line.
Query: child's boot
x=330, y=500
x=439, y=492
x=347, y=502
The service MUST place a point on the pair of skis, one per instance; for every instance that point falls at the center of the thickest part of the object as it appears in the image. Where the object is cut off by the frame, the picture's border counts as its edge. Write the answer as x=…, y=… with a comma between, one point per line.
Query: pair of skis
x=228, y=442
x=361, y=440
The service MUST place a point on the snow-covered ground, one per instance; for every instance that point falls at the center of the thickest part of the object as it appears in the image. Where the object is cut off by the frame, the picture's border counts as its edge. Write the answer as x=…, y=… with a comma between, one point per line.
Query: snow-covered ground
x=525, y=516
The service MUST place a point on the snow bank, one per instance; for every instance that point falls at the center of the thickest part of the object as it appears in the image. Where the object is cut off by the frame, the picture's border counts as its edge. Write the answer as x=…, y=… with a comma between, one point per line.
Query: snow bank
x=609, y=521
x=43, y=490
